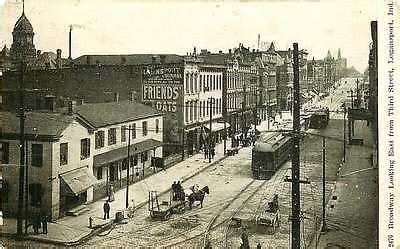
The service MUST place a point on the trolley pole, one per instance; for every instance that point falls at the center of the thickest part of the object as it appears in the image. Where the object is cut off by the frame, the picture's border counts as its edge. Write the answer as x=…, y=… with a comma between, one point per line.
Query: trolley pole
x=323, y=184
x=296, y=152
x=209, y=137
x=128, y=166
x=21, y=150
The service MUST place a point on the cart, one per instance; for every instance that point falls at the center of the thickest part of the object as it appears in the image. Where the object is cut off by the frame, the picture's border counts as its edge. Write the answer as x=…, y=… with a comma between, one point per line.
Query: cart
x=164, y=210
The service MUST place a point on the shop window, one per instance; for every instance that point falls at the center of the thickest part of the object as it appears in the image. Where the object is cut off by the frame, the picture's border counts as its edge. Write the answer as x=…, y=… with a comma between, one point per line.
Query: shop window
x=37, y=155
x=85, y=148
x=4, y=153
x=99, y=139
x=112, y=136
x=123, y=133
x=63, y=153
x=99, y=173
x=35, y=194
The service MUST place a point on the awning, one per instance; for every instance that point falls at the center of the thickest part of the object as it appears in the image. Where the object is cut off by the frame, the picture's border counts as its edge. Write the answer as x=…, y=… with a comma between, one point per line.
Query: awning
x=216, y=126
x=121, y=153
x=78, y=180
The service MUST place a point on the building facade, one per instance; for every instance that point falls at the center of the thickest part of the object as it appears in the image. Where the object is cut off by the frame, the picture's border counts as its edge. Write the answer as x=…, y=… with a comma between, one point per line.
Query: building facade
x=74, y=157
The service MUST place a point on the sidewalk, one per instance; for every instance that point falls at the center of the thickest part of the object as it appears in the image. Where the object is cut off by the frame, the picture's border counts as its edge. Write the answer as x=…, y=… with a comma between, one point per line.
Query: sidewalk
x=352, y=219
x=72, y=230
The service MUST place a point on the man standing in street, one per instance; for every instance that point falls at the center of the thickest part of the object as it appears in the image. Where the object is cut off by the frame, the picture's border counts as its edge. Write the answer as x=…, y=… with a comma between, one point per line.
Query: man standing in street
x=106, y=209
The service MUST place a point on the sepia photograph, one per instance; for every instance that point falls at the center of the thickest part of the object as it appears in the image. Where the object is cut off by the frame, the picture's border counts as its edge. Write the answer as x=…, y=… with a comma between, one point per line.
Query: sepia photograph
x=190, y=124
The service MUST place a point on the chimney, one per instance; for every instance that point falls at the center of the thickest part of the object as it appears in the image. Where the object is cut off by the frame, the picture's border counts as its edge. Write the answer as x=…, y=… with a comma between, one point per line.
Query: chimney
x=258, y=41
x=50, y=102
x=58, y=59
x=163, y=57
x=132, y=96
x=38, y=53
x=254, y=50
x=70, y=41
x=71, y=107
x=230, y=51
x=116, y=97
x=153, y=59
x=220, y=51
x=88, y=60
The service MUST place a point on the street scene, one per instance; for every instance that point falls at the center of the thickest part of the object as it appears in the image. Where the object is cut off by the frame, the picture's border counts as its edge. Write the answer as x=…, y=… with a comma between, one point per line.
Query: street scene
x=260, y=143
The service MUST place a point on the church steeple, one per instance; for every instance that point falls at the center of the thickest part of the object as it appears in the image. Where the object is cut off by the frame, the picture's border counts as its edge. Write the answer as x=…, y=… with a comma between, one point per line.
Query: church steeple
x=339, y=55
x=22, y=47
x=329, y=56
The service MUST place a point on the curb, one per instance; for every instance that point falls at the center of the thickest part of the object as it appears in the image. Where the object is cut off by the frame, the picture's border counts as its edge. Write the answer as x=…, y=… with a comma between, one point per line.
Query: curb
x=111, y=223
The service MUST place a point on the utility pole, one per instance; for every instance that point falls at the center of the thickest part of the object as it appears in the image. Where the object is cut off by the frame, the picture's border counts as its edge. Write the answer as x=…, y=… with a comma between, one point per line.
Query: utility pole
x=183, y=142
x=323, y=184
x=209, y=137
x=128, y=166
x=296, y=152
x=344, y=134
x=21, y=150
x=26, y=188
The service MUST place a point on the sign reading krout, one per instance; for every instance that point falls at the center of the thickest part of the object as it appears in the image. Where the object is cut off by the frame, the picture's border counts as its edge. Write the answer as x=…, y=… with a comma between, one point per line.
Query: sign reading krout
x=162, y=86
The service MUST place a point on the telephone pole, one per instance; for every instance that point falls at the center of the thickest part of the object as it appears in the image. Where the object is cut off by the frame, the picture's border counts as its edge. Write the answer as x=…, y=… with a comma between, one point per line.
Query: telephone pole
x=296, y=152
x=209, y=137
x=323, y=184
x=21, y=150
x=128, y=166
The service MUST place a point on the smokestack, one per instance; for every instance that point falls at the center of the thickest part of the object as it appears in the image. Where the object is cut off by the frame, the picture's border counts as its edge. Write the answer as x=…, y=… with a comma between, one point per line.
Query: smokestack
x=116, y=97
x=70, y=41
x=58, y=59
x=71, y=107
x=258, y=41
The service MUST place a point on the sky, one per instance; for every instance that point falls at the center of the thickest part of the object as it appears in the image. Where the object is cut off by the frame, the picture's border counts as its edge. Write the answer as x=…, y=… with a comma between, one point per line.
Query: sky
x=127, y=27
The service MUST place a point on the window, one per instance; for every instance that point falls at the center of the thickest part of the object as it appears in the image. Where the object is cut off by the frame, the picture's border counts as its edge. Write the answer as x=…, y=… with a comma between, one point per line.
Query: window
x=123, y=133
x=135, y=160
x=133, y=131
x=186, y=112
x=99, y=173
x=157, y=125
x=112, y=136
x=187, y=83
x=144, y=128
x=36, y=193
x=4, y=153
x=37, y=155
x=201, y=82
x=85, y=148
x=63, y=153
x=99, y=139
x=144, y=156
x=124, y=164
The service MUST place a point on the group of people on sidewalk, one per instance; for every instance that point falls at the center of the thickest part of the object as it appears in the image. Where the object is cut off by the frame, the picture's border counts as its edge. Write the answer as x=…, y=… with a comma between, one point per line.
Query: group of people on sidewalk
x=209, y=153
x=40, y=221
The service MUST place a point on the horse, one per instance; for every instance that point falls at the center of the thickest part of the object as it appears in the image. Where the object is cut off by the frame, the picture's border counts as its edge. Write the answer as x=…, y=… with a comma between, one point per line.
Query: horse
x=199, y=196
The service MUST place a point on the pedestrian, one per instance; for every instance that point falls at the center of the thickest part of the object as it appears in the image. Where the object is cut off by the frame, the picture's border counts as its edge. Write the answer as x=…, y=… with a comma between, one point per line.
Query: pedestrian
x=205, y=153
x=212, y=153
x=173, y=187
x=259, y=245
x=111, y=197
x=106, y=209
x=179, y=190
x=44, y=223
x=36, y=223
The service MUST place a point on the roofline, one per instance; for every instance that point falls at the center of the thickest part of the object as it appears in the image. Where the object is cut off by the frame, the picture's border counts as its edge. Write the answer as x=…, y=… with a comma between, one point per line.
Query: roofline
x=128, y=120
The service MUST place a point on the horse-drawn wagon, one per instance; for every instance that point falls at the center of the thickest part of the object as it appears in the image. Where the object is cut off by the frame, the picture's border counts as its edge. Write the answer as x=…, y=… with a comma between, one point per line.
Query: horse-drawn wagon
x=177, y=202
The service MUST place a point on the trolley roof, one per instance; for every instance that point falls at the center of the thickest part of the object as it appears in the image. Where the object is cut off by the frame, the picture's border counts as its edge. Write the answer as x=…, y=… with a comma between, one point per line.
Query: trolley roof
x=269, y=142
